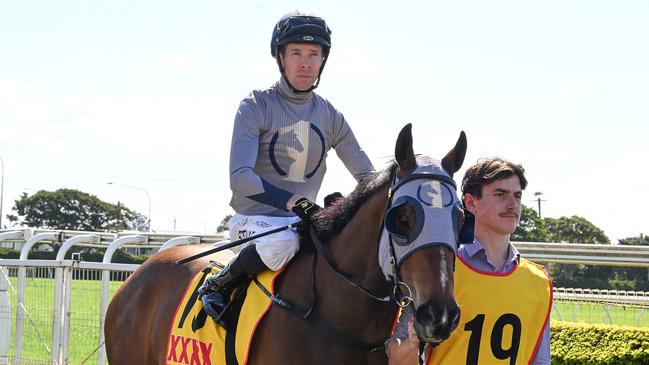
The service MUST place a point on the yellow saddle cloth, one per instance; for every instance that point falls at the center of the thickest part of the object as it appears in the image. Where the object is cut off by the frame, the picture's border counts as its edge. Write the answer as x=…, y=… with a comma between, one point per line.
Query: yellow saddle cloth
x=196, y=339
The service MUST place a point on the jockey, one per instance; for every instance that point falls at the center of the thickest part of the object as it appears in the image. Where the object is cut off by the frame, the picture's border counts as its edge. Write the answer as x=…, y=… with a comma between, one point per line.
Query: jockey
x=279, y=144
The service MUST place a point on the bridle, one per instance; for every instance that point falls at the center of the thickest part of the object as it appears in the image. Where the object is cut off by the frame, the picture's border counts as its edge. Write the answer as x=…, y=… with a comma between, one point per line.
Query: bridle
x=395, y=294
x=402, y=300
x=311, y=315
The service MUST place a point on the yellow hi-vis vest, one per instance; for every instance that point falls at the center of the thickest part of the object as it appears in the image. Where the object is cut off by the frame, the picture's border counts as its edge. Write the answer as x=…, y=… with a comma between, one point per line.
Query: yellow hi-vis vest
x=502, y=316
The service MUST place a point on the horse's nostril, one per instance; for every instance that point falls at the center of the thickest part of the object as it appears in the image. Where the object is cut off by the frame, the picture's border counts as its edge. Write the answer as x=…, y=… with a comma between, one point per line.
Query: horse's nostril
x=437, y=321
x=455, y=315
x=424, y=314
x=435, y=318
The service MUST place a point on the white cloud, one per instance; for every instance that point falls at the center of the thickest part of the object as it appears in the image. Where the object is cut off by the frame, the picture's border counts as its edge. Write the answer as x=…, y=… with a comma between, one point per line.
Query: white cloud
x=351, y=61
x=573, y=88
x=176, y=147
x=178, y=63
x=12, y=89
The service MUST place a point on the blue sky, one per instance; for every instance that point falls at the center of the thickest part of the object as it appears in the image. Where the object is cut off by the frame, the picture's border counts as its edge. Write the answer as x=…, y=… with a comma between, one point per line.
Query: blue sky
x=143, y=93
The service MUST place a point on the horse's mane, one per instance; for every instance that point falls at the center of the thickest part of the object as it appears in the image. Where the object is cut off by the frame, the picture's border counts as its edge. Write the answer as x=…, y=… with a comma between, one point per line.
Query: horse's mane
x=333, y=219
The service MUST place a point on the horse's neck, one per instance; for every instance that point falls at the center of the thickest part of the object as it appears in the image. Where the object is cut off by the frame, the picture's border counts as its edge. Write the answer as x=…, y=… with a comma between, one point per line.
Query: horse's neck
x=355, y=252
x=355, y=249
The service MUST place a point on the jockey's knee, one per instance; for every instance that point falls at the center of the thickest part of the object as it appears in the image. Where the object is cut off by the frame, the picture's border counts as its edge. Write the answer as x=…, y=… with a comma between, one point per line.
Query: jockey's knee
x=278, y=249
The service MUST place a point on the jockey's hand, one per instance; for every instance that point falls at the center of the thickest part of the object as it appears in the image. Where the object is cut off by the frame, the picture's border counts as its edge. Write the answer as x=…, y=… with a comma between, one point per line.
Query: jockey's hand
x=331, y=198
x=305, y=209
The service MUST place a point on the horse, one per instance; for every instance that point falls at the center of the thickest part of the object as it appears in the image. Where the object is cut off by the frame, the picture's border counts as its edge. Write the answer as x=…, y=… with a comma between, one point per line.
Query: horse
x=372, y=252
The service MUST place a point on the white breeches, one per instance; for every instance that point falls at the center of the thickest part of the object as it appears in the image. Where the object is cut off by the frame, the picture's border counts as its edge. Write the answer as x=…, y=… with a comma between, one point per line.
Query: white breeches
x=276, y=249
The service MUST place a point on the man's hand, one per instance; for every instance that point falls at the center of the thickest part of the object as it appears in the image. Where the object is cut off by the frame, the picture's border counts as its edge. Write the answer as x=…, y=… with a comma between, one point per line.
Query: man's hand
x=405, y=351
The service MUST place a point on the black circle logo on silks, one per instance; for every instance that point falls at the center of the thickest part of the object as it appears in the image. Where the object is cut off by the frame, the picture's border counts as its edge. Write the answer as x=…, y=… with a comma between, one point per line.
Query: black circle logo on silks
x=302, y=150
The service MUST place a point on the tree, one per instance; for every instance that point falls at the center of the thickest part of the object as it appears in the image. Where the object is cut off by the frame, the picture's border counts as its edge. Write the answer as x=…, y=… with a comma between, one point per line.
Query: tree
x=71, y=210
x=531, y=227
x=224, y=224
x=575, y=229
x=636, y=275
x=140, y=223
x=641, y=240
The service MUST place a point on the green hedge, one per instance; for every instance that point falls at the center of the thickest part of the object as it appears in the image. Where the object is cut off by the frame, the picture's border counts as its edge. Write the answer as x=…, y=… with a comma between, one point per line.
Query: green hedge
x=594, y=344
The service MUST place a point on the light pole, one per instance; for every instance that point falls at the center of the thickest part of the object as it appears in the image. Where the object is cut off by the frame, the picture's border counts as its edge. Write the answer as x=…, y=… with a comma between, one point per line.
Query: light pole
x=2, y=188
x=539, y=200
x=147, y=195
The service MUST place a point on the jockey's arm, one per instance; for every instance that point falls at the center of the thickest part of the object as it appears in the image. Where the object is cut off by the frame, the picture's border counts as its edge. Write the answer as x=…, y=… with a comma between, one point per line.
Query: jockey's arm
x=246, y=182
x=244, y=148
x=348, y=150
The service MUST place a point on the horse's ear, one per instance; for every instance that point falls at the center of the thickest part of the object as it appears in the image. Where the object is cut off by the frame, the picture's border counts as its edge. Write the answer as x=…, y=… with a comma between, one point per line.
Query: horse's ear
x=403, y=152
x=455, y=157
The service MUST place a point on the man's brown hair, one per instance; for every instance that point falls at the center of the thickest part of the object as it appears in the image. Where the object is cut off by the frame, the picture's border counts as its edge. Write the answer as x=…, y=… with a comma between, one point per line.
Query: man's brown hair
x=488, y=170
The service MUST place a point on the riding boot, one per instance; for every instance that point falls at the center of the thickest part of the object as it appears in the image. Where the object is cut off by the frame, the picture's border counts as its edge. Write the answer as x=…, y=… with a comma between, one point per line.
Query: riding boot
x=217, y=289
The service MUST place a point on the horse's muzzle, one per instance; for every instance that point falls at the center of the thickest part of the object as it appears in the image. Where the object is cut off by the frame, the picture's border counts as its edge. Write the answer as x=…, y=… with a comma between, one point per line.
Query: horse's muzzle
x=434, y=322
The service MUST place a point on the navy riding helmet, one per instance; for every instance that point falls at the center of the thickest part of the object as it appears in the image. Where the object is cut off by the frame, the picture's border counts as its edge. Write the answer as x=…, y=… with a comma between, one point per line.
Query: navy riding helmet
x=301, y=27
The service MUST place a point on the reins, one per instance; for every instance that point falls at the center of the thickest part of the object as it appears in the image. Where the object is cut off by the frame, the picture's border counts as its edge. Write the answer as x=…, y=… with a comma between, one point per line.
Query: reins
x=324, y=253
x=312, y=316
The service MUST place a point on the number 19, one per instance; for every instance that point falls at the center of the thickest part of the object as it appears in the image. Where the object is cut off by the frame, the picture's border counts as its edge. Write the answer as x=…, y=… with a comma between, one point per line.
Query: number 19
x=475, y=327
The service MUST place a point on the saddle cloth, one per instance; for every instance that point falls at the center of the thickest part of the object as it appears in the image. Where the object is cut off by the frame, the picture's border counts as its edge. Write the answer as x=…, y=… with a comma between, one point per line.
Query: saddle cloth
x=194, y=338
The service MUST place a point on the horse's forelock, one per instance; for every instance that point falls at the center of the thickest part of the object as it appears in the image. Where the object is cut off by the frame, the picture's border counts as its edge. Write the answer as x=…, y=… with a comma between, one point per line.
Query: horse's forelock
x=333, y=219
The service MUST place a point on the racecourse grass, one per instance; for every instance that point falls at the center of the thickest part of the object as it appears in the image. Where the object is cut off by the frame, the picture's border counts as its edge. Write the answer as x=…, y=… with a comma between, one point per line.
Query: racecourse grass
x=85, y=306
x=601, y=314
x=84, y=320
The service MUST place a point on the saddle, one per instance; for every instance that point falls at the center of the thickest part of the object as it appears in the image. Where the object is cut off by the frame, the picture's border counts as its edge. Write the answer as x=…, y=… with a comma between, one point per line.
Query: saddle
x=194, y=338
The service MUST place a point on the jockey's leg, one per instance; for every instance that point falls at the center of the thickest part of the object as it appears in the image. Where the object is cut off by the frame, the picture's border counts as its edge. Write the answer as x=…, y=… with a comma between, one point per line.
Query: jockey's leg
x=268, y=252
x=216, y=290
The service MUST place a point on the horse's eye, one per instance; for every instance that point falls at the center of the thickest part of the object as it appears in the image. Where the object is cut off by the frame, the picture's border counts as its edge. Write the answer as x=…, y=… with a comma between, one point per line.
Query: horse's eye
x=402, y=223
x=406, y=219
